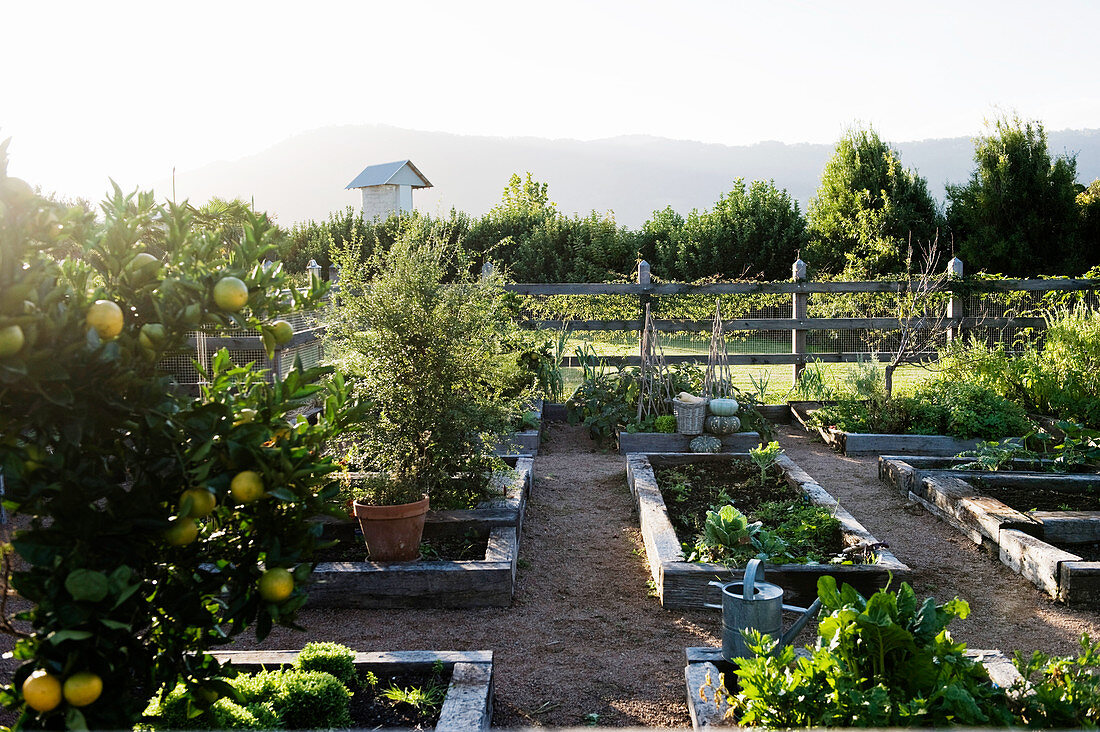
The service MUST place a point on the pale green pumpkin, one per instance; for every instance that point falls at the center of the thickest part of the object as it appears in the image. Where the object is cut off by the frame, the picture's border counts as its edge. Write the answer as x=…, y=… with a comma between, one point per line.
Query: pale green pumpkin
x=723, y=407
x=722, y=425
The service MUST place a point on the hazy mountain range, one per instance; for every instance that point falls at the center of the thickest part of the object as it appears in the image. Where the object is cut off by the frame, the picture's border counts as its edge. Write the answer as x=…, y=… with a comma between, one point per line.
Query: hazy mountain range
x=304, y=176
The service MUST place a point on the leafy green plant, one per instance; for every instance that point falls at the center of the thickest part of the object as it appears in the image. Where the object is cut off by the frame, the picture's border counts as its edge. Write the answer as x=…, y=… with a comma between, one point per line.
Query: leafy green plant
x=665, y=423
x=765, y=457
x=728, y=528
x=1060, y=692
x=426, y=352
x=424, y=698
x=812, y=384
x=105, y=463
x=885, y=661
x=994, y=455
x=333, y=658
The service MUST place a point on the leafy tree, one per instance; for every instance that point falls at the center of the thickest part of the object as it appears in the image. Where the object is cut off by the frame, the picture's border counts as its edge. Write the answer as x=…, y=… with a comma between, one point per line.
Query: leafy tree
x=654, y=242
x=141, y=546
x=1017, y=215
x=1088, y=206
x=754, y=230
x=868, y=210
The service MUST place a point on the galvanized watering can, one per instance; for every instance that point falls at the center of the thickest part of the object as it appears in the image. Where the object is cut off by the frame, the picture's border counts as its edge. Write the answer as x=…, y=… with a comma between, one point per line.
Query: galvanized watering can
x=753, y=603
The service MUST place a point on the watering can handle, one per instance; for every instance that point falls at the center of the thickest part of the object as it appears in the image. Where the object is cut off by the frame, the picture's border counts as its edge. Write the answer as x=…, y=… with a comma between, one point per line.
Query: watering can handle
x=751, y=570
x=711, y=605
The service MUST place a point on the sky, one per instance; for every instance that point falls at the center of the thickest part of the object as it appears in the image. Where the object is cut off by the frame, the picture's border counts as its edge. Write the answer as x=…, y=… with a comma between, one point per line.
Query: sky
x=132, y=89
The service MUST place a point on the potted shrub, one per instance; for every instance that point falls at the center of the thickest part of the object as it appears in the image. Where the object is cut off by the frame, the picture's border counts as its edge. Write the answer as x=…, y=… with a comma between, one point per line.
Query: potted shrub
x=391, y=514
x=426, y=349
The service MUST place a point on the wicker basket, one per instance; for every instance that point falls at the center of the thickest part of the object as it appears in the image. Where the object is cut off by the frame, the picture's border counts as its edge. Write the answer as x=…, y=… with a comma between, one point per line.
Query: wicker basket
x=689, y=416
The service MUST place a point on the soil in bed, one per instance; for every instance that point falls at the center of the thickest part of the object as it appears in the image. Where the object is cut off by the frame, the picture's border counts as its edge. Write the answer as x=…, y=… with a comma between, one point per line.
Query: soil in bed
x=1089, y=552
x=690, y=490
x=350, y=547
x=1033, y=498
x=371, y=710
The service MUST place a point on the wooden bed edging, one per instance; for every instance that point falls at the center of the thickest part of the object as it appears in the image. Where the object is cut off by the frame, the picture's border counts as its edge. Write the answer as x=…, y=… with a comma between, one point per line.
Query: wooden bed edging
x=661, y=442
x=706, y=662
x=526, y=442
x=488, y=582
x=682, y=584
x=1019, y=539
x=467, y=705
x=871, y=443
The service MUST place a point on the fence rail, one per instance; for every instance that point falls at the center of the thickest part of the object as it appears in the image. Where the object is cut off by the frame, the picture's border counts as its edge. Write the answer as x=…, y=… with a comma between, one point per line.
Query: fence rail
x=953, y=319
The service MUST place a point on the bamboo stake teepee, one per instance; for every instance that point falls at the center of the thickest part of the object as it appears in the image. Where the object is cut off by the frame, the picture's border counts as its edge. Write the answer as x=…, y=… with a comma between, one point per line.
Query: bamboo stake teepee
x=655, y=386
x=718, y=382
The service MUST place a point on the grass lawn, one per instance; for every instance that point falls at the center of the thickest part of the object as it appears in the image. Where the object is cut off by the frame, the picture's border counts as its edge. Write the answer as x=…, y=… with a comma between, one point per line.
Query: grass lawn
x=776, y=381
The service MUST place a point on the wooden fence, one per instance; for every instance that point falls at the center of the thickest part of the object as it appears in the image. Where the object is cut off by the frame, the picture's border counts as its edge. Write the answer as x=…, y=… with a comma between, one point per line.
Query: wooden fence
x=956, y=318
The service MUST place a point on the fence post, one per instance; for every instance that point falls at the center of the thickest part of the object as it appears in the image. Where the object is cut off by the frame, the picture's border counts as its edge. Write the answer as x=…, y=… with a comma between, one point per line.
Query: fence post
x=798, y=311
x=955, y=304
x=643, y=299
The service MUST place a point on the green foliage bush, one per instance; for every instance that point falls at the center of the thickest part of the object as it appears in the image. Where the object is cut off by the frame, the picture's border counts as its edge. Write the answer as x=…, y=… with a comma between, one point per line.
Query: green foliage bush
x=1058, y=376
x=1018, y=214
x=333, y=658
x=867, y=210
x=754, y=231
x=887, y=661
x=939, y=406
x=427, y=353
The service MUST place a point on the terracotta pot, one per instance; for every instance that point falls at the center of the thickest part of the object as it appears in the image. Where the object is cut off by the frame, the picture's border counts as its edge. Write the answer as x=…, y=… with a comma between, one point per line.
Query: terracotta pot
x=392, y=533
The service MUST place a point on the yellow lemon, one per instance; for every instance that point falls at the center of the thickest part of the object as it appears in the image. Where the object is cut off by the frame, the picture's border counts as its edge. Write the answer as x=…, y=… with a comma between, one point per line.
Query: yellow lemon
x=182, y=532
x=81, y=689
x=283, y=332
x=42, y=691
x=106, y=317
x=247, y=486
x=11, y=340
x=276, y=584
x=202, y=502
x=230, y=294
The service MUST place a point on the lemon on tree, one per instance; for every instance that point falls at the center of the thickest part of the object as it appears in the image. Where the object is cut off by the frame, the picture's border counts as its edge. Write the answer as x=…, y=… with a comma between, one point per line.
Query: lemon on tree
x=283, y=332
x=151, y=338
x=144, y=266
x=276, y=584
x=230, y=294
x=106, y=317
x=42, y=691
x=11, y=340
x=83, y=688
x=247, y=486
x=198, y=501
x=182, y=531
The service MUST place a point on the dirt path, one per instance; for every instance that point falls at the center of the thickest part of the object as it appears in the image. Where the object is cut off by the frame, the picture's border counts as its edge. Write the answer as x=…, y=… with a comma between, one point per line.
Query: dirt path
x=584, y=637
x=1007, y=611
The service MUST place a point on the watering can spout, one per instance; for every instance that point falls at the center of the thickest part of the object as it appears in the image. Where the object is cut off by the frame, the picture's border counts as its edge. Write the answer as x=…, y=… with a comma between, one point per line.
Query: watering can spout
x=808, y=614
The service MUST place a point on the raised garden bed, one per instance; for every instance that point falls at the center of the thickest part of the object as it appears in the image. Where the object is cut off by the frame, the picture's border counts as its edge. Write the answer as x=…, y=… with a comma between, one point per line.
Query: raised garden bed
x=869, y=443
x=683, y=584
x=657, y=442
x=525, y=442
x=468, y=704
x=1045, y=526
x=485, y=582
x=706, y=662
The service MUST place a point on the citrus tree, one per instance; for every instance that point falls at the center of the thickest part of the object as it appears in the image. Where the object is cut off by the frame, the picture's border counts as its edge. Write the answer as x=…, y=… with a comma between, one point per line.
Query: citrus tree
x=152, y=526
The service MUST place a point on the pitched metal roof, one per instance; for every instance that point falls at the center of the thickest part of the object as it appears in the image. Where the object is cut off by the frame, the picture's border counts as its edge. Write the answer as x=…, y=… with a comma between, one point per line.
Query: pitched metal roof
x=385, y=173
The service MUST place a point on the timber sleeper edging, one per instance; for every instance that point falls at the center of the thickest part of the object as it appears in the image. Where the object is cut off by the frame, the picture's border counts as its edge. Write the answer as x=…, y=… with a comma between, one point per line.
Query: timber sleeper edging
x=487, y=582
x=1020, y=540
x=467, y=705
x=682, y=584
x=872, y=443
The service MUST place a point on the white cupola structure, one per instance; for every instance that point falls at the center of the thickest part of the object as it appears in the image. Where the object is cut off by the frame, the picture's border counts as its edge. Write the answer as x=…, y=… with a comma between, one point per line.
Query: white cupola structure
x=387, y=188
